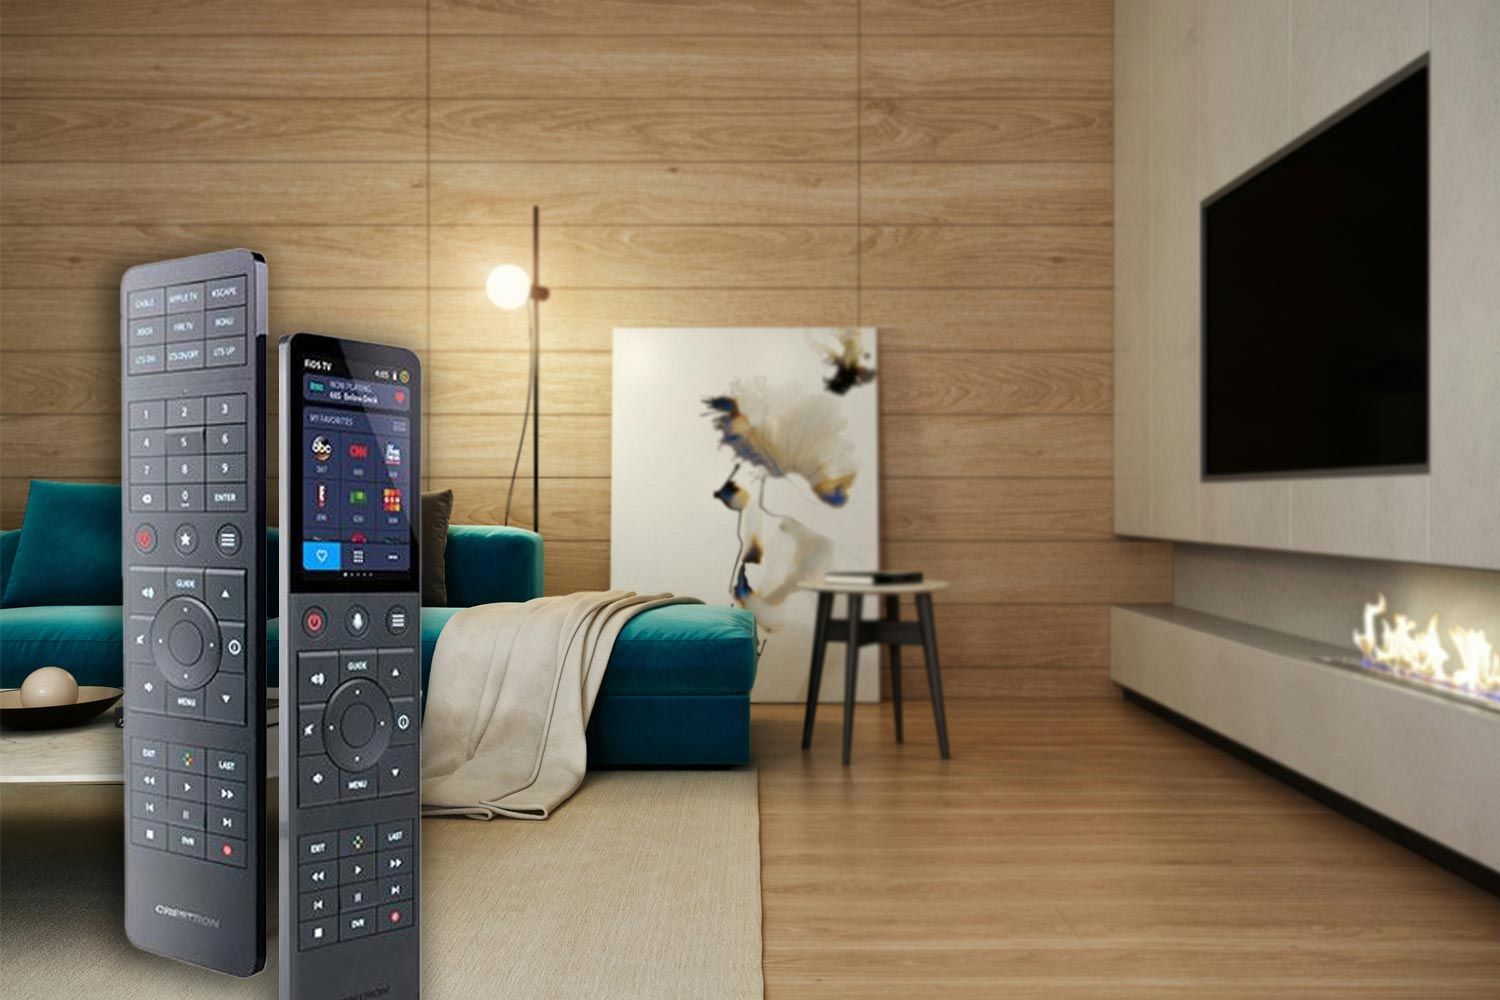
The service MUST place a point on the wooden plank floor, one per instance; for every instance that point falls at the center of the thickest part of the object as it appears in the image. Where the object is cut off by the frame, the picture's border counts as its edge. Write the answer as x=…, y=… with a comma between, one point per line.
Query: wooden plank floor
x=1085, y=849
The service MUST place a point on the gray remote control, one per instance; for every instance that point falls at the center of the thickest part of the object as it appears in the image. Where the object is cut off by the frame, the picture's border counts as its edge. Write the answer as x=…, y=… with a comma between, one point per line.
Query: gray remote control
x=350, y=709
x=193, y=338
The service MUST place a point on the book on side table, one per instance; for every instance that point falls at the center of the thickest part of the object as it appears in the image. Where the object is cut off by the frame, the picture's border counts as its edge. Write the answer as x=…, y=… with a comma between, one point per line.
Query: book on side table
x=871, y=577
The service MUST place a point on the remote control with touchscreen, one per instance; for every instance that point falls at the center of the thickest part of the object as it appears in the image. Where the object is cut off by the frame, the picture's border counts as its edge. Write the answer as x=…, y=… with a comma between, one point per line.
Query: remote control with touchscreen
x=350, y=709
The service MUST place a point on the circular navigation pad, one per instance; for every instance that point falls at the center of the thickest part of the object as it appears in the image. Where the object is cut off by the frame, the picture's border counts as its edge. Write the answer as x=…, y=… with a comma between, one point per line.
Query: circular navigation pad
x=185, y=642
x=357, y=725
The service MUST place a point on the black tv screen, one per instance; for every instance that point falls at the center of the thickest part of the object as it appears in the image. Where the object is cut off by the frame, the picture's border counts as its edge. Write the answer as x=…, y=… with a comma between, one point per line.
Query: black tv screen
x=1315, y=300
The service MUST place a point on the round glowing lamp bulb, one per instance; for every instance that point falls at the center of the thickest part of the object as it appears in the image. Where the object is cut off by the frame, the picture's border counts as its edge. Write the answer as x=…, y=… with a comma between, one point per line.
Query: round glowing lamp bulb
x=508, y=286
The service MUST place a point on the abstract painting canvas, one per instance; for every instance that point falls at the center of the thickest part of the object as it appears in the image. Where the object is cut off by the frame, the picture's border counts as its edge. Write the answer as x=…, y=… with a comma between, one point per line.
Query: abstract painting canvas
x=744, y=462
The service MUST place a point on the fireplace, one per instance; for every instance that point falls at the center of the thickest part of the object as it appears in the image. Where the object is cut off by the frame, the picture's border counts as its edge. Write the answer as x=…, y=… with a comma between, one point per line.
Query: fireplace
x=1398, y=647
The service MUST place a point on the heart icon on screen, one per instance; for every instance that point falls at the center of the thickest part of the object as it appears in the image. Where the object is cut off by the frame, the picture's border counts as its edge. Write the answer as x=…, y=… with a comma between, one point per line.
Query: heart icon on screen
x=320, y=554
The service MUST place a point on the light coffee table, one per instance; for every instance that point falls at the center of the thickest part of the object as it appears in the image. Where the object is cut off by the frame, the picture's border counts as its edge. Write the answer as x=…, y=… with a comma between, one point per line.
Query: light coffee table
x=91, y=754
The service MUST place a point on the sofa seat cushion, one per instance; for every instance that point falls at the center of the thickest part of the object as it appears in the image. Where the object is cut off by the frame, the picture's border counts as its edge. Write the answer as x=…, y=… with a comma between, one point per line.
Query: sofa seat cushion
x=83, y=639
x=684, y=649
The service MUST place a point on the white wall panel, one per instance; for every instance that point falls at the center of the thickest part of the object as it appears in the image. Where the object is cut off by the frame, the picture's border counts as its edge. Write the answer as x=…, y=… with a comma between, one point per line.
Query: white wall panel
x=1242, y=69
x=1466, y=282
x=1174, y=270
x=1132, y=272
x=1342, y=48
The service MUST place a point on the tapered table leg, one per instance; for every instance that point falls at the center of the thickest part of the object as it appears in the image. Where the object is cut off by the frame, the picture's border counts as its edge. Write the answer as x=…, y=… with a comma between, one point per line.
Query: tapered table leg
x=815, y=674
x=934, y=671
x=893, y=614
x=851, y=670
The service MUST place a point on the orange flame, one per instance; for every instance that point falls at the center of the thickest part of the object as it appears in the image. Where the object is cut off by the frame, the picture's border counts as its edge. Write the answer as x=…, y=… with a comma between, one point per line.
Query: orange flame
x=1420, y=655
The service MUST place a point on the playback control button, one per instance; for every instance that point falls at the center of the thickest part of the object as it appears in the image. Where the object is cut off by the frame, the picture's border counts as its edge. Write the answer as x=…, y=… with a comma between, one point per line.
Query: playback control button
x=369, y=889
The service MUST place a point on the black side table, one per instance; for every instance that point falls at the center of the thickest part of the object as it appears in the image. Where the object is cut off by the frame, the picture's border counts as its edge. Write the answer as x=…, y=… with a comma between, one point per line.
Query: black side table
x=889, y=630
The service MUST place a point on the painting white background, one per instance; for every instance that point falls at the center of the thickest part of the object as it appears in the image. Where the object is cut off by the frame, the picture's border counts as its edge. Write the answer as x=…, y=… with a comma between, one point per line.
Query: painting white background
x=669, y=533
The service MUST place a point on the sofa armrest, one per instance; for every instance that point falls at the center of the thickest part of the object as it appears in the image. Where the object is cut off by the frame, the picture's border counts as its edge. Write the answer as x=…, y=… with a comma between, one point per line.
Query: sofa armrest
x=8, y=542
x=487, y=564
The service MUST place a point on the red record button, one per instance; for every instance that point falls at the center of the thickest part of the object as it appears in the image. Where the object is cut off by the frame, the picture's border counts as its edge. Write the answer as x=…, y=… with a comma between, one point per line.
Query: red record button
x=314, y=621
x=145, y=538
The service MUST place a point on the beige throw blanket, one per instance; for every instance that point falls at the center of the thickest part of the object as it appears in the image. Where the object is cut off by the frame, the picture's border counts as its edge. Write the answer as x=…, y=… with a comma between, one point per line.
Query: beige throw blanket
x=509, y=697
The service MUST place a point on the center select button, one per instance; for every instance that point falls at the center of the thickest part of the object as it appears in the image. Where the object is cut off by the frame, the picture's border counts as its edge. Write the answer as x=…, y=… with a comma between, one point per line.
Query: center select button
x=185, y=642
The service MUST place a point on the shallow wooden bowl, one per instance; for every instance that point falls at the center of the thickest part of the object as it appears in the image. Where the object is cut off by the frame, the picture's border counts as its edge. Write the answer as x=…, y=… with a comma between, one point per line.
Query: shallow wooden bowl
x=91, y=701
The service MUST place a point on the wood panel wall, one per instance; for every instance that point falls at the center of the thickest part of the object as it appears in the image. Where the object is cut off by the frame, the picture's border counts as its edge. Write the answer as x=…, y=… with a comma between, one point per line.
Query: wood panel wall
x=940, y=169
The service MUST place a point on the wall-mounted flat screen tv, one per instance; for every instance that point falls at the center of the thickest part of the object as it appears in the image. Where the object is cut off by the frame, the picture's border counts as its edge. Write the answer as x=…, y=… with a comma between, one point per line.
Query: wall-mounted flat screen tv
x=1315, y=300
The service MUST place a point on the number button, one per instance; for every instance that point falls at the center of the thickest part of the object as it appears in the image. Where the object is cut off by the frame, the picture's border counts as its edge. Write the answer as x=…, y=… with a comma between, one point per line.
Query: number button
x=147, y=413
x=148, y=472
x=226, y=409
x=148, y=444
x=186, y=499
x=227, y=440
x=226, y=469
x=186, y=470
x=185, y=412
x=185, y=442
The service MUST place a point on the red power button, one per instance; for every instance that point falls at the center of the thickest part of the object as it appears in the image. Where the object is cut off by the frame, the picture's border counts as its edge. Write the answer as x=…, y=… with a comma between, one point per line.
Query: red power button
x=145, y=538
x=314, y=621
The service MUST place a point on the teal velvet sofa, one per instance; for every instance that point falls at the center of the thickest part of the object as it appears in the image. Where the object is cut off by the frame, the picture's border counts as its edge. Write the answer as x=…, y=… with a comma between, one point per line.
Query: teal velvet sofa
x=677, y=691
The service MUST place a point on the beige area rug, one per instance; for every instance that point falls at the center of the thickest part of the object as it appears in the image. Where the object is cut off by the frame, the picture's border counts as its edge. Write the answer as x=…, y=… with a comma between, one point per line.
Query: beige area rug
x=644, y=886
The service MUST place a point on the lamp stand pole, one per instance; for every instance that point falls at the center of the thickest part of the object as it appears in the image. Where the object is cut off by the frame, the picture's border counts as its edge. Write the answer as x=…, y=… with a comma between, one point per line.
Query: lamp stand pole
x=538, y=294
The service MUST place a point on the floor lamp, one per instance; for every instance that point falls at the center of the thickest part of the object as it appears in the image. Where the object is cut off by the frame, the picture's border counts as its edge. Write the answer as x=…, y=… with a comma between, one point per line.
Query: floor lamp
x=510, y=287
